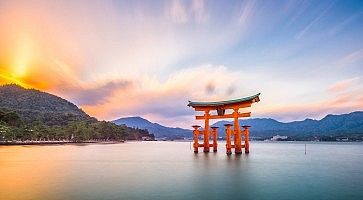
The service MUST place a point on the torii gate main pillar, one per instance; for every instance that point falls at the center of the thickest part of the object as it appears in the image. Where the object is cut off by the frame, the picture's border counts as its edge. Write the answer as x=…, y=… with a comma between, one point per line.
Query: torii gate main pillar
x=206, y=131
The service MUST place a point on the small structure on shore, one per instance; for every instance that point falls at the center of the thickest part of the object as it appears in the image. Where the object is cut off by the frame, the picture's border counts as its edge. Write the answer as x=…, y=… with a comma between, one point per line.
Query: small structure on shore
x=236, y=132
x=278, y=137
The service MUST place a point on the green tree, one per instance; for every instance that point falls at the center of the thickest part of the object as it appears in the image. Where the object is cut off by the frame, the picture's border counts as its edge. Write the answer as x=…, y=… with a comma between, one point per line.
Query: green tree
x=4, y=131
x=10, y=118
x=80, y=130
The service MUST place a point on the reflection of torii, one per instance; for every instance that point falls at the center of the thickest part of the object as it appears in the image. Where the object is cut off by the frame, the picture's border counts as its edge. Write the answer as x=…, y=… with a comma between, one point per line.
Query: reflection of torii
x=221, y=107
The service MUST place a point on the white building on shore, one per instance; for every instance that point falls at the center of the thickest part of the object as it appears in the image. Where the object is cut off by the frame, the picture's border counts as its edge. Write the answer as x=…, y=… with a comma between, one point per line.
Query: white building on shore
x=278, y=137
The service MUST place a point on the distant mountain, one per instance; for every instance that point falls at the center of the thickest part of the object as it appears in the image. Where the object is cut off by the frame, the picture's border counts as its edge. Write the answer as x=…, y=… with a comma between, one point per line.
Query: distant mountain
x=34, y=105
x=351, y=123
x=158, y=130
x=331, y=124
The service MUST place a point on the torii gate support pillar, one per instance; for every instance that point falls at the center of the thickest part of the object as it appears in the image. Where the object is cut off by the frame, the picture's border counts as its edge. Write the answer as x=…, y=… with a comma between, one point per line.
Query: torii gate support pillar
x=196, y=135
x=206, y=132
x=215, y=137
x=228, y=139
x=247, y=135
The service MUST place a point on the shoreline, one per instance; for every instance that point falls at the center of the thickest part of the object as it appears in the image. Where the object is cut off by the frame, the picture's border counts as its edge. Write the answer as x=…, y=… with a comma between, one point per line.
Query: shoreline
x=43, y=143
x=13, y=143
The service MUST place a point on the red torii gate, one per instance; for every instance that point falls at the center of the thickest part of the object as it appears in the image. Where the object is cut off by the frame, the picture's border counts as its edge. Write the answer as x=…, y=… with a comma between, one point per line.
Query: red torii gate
x=221, y=107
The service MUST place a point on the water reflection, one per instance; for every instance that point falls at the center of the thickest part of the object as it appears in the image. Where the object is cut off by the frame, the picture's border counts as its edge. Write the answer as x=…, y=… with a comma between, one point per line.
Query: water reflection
x=29, y=174
x=170, y=170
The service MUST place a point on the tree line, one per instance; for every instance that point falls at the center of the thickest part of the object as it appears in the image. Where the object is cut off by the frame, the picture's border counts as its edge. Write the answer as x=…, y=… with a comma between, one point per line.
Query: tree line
x=12, y=128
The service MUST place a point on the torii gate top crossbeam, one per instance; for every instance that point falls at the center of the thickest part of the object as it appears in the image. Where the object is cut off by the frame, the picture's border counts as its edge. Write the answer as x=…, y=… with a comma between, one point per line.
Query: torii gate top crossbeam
x=217, y=105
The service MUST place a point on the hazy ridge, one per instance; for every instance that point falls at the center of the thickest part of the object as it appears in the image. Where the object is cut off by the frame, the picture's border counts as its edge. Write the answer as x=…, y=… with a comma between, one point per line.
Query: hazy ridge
x=351, y=123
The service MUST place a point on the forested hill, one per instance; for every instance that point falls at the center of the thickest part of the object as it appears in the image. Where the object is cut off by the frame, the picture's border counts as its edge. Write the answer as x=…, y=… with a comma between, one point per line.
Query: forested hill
x=34, y=105
x=29, y=114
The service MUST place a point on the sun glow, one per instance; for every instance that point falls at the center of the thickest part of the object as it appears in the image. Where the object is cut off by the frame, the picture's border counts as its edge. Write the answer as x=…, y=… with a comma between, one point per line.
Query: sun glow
x=16, y=61
x=22, y=57
x=6, y=78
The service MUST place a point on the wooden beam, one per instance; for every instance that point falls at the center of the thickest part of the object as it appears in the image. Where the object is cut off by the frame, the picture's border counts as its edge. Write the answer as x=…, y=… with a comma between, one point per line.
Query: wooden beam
x=238, y=105
x=228, y=106
x=204, y=108
x=247, y=114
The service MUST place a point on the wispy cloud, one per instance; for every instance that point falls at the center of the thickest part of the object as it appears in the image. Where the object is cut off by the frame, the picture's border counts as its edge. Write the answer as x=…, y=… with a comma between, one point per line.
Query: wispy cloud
x=339, y=105
x=210, y=88
x=199, y=10
x=302, y=32
x=178, y=12
x=343, y=85
x=247, y=11
x=168, y=99
x=344, y=23
x=182, y=12
x=99, y=94
x=352, y=57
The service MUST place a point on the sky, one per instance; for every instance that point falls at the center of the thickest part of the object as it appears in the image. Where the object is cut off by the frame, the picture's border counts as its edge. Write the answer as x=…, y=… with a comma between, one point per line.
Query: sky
x=148, y=58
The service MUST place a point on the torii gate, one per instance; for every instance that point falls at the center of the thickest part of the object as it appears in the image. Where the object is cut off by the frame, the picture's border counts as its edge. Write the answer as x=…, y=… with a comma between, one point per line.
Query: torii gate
x=221, y=107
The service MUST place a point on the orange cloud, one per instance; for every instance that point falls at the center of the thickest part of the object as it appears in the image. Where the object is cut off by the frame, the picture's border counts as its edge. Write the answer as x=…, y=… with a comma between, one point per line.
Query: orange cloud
x=343, y=85
x=340, y=104
x=167, y=99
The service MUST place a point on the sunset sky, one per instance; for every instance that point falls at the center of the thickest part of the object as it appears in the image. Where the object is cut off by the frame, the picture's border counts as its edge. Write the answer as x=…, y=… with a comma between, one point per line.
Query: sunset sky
x=148, y=58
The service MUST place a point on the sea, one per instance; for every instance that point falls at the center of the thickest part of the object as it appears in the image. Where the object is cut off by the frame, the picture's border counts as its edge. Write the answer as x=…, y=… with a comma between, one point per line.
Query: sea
x=171, y=170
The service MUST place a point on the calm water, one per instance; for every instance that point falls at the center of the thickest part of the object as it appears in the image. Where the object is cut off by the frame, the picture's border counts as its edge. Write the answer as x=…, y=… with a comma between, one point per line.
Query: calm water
x=170, y=170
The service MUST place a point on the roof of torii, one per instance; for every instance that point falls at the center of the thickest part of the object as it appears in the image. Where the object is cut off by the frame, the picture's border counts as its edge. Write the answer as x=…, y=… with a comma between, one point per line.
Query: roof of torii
x=250, y=99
